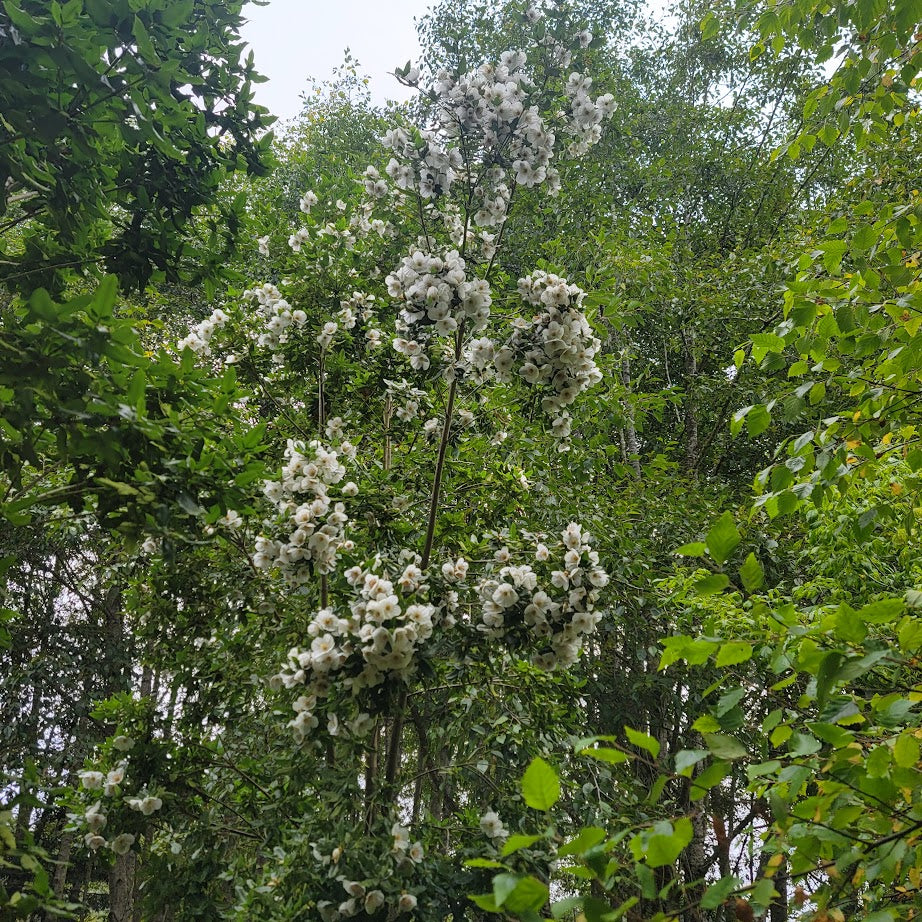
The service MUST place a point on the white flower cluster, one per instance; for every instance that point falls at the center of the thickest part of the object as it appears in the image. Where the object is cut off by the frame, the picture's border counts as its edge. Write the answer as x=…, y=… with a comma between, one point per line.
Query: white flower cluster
x=406, y=400
x=108, y=783
x=437, y=297
x=95, y=818
x=199, y=338
x=586, y=114
x=495, y=110
x=370, y=895
x=556, y=350
x=314, y=521
x=424, y=165
x=276, y=313
x=514, y=608
x=363, y=898
x=387, y=624
x=148, y=804
x=492, y=109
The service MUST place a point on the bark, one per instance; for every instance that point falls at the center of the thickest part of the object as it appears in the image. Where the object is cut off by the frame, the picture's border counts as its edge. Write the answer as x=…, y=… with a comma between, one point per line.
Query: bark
x=696, y=863
x=690, y=409
x=121, y=888
x=630, y=430
x=59, y=881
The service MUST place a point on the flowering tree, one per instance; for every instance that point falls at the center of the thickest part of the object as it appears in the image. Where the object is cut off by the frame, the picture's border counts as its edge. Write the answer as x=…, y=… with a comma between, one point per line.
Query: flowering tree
x=379, y=390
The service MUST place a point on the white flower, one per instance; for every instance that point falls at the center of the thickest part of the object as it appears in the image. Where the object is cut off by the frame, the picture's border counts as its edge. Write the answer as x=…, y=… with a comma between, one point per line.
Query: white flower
x=406, y=903
x=505, y=595
x=121, y=845
x=415, y=852
x=94, y=819
x=492, y=825
x=93, y=841
x=264, y=245
x=308, y=200
x=123, y=743
x=374, y=900
x=92, y=781
x=150, y=805
x=401, y=837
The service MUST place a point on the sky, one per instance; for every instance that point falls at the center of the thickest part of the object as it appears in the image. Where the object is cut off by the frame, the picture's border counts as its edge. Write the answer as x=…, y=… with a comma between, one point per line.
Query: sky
x=295, y=39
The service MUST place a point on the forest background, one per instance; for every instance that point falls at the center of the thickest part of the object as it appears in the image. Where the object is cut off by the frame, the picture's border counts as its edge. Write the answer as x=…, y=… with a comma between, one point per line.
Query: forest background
x=556, y=431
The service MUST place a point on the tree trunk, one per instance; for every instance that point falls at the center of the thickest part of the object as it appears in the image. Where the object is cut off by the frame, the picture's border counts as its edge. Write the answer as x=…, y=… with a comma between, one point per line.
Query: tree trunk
x=121, y=889
x=630, y=429
x=691, y=411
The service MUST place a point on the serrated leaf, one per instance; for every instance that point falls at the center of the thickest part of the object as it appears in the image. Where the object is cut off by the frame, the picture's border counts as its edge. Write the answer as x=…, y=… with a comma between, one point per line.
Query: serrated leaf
x=643, y=741
x=751, y=573
x=723, y=538
x=686, y=758
x=725, y=747
x=711, y=584
x=906, y=750
x=514, y=843
x=734, y=652
x=606, y=754
x=586, y=838
x=540, y=785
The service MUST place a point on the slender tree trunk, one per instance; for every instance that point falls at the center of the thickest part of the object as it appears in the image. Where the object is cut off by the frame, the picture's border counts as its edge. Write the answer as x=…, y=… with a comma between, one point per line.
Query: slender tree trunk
x=630, y=430
x=690, y=408
x=62, y=866
x=121, y=888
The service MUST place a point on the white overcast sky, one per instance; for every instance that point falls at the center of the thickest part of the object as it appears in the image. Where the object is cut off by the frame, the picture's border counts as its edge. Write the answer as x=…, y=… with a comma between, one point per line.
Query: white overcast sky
x=296, y=39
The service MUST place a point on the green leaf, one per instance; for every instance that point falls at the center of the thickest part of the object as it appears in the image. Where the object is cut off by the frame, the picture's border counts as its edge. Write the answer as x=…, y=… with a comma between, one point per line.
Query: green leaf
x=882, y=611
x=715, y=895
x=751, y=573
x=483, y=863
x=586, y=838
x=643, y=741
x=503, y=886
x=763, y=343
x=906, y=750
x=763, y=892
x=145, y=45
x=564, y=909
x=833, y=251
x=694, y=651
x=758, y=419
x=725, y=747
x=723, y=538
x=528, y=896
x=606, y=754
x=540, y=785
x=485, y=901
x=514, y=843
x=711, y=584
x=734, y=652
x=664, y=843
x=686, y=758
x=694, y=549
